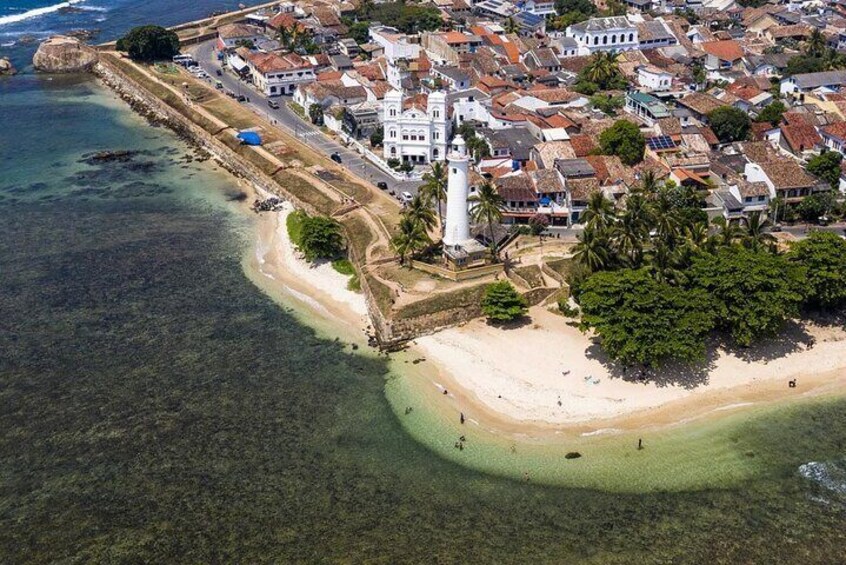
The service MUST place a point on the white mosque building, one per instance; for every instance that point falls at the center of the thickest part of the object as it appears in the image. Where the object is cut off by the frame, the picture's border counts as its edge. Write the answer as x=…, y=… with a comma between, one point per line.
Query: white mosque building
x=460, y=248
x=415, y=134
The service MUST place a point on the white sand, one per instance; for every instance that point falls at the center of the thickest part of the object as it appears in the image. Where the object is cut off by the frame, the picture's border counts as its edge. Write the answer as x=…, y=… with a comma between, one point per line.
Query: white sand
x=519, y=373
x=317, y=285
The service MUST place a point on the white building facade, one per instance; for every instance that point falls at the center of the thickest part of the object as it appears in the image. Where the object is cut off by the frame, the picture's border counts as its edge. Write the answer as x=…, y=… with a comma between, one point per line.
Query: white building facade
x=415, y=134
x=615, y=33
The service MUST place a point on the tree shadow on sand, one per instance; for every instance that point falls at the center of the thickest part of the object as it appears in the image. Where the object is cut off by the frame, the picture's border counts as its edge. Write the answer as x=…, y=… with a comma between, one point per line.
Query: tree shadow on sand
x=793, y=338
x=685, y=375
x=515, y=324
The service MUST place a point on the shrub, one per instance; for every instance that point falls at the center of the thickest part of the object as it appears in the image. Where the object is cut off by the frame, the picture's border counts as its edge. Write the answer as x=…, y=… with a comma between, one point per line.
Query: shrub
x=502, y=303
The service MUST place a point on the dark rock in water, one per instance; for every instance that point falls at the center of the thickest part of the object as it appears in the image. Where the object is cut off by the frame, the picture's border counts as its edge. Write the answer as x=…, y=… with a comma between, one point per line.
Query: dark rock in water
x=239, y=196
x=83, y=34
x=6, y=67
x=271, y=204
x=573, y=455
x=121, y=156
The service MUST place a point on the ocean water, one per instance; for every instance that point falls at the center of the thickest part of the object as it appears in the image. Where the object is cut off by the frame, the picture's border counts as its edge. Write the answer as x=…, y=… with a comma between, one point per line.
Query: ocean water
x=155, y=406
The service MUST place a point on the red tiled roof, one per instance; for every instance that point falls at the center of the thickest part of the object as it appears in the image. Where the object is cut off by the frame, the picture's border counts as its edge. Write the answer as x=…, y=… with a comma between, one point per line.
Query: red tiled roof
x=800, y=137
x=836, y=130
x=725, y=50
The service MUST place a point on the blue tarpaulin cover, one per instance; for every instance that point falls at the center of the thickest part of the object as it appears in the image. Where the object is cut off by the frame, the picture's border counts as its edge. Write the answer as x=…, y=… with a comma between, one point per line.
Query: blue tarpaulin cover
x=250, y=137
x=545, y=201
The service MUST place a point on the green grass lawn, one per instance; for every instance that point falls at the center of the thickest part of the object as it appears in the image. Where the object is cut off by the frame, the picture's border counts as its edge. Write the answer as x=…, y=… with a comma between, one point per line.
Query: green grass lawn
x=294, y=223
x=343, y=266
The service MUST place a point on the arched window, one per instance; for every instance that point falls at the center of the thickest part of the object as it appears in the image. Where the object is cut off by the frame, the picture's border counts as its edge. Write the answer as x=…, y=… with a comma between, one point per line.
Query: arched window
x=393, y=112
x=393, y=151
x=392, y=133
x=605, y=40
x=435, y=153
x=631, y=37
x=614, y=39
x=436, y=114
x=596, y=41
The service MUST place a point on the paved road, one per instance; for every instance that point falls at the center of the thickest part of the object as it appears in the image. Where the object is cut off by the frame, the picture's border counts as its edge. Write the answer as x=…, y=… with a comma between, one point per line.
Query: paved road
x=800, y=231
x=287, y=120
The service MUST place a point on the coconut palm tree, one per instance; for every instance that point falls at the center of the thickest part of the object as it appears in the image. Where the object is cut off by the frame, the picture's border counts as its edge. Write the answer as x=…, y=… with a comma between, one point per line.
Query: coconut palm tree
x=757, y=232
x=727, y=233
x=434, y=187
x=599, y=213
x=411, y=238
x=420, y=212
x=815, y=44
x=602, y=69
x=632, y=229
x=648, y=183
x=593, y=250
x=487, y=206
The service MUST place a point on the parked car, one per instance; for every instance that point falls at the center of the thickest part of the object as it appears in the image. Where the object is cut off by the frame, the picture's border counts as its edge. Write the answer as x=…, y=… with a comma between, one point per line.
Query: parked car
x=382, y=185
x=336, y=157
x=242, y=98
x=823, y=220
x=406, y=197
x=273, y=104
x=219, y=73
x=776, y=228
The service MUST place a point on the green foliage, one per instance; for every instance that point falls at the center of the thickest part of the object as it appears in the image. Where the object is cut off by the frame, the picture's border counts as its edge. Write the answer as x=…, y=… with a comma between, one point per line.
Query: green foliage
x=584, y=6
x=407, y=18
x=565, y=308
x=607, y=103
x=772, y=113
x=729, y=123
x=320, y=238
x=377, y=137
x=248, y=43
x=294, y=225
x=823, y=255
x=803, y=64
x=753, y=292
x=487, y=208
x=603, y=72
x=624, y=140
x=538, y=223
x=813, y=206
x=360, y=32
x=410, y=238
x=643, y=321
x=827, y=167
x=343, y=266
x=502, y=303
x=315, y=114
x=149, y=43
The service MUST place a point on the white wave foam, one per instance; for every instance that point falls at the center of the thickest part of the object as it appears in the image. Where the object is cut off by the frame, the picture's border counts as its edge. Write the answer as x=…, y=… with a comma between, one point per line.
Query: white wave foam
x=37, y=12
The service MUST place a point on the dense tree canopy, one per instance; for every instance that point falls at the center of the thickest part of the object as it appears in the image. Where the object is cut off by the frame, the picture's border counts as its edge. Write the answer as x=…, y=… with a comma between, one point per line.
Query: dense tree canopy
x=502, y=303
x=729, y=123
x=815, y=206
x=772, y=112
x=754, y=292
x=407, y=18
x=624, y=140
x=320, y=238
x=643, y=321
x=823, y=254
x=149, y=43
x=827, y=167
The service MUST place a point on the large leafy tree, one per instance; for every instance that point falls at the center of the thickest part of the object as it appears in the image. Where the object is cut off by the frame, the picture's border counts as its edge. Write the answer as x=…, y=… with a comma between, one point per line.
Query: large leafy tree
x=772, y=113
x=624, y=140
x=823, y=254
x=502, y=303
x=643, y=321
x=729, y=123
x=827, y=167
x=149, y=43
x=320, y=238
x=487, y=207
x=814, y=206
x=754, y=292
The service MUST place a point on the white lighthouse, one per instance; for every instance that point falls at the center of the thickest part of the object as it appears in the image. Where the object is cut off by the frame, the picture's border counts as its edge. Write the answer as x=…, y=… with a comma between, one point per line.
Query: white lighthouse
x=457, y=230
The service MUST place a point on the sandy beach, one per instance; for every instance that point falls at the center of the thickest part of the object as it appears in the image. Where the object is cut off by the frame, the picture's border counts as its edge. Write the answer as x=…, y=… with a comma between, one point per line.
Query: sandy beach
x=319, y=287
x=545, y=375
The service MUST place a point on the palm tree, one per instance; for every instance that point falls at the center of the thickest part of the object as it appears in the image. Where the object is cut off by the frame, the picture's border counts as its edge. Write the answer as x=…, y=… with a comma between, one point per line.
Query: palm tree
x=815, y=44
x=593, y=250
x=727, y=233
x=757, y=232
x=632, y=229
x=419, y=212
x=648, y=183
x=434, y=187
x=411, y=238
x=602, y=69
x=488, y=206
x=599, y=213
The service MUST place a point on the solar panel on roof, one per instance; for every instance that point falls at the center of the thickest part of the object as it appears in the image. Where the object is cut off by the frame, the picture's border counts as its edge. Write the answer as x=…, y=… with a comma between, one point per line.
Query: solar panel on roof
x=661, y=142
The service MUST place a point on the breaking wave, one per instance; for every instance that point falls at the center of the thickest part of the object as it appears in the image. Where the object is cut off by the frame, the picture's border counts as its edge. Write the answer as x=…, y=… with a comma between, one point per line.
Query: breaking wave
x=37, y=12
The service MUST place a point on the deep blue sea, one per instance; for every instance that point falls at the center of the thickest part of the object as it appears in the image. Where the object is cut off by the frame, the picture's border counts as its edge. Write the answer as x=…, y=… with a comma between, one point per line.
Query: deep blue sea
x=157, y=407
